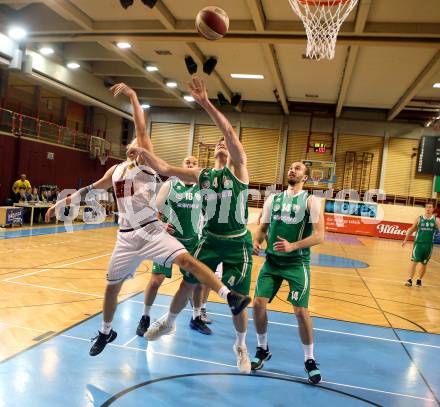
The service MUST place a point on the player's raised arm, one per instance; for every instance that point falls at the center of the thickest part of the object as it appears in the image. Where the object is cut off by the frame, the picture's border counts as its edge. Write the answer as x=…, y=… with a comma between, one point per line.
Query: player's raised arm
x=190, y=175
x=104, y=183
x=237, y=155
x=138, y=115
x=410, y=231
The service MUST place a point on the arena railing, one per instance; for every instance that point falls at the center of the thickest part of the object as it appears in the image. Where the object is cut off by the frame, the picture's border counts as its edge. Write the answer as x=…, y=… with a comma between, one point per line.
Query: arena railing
x=33, y=127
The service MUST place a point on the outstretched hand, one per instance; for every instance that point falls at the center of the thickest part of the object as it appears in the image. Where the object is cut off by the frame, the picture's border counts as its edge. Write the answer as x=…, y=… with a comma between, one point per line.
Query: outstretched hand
x=122, y=88
x=198, y=90
x=133, y=152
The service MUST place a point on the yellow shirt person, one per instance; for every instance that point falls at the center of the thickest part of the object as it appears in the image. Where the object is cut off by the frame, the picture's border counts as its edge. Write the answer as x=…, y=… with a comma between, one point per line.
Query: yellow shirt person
x=21, y=183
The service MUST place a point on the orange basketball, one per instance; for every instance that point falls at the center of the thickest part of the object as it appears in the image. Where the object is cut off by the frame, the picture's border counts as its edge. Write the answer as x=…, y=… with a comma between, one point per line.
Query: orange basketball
x=212, y=23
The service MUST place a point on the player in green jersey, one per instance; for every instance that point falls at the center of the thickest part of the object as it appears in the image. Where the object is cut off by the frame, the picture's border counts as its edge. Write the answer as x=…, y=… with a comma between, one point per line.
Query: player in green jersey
x=180, y=208
x=225, y=191
x=425, y=227
x=293, y=222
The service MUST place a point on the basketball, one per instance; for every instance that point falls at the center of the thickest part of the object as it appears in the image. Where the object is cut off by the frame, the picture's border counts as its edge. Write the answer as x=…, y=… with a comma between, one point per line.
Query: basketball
x=212, y=23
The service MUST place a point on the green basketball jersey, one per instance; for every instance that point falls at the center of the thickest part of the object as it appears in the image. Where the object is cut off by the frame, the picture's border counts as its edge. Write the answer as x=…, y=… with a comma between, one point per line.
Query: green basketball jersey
x=184, y=209
x=426, y=230
x=289, y=219
x=225, y=201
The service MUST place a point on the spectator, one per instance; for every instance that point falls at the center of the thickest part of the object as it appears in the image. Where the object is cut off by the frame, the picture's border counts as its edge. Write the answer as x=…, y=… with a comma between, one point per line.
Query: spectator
x=55, y=193
x=22, y=199
x=20, y=183
x=35, y=199
x=44, y=197
x=50, y=197
x=34, y=195
x=29, y=194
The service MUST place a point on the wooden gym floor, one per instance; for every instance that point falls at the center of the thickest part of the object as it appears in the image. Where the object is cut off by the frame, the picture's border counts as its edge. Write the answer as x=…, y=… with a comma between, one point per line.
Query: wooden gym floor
x=50, y=282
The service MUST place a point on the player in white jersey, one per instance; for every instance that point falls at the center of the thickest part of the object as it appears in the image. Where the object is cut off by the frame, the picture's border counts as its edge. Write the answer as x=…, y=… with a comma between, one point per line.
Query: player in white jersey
x=180, y=206
x=141, y=235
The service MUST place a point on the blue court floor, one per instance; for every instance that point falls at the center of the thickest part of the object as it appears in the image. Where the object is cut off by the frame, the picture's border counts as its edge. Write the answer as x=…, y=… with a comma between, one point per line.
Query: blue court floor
x=361, y=365
x=49, y=230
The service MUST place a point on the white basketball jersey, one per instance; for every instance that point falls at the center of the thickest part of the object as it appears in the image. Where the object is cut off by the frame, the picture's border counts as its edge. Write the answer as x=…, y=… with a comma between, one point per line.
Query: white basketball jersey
x=135, y=188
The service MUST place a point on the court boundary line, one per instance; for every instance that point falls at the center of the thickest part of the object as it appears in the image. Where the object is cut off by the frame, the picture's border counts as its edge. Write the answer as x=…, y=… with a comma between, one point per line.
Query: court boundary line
x=408, y=353
x=62, y=334
x=146, y=350
x=131, y=300
x=10, y=279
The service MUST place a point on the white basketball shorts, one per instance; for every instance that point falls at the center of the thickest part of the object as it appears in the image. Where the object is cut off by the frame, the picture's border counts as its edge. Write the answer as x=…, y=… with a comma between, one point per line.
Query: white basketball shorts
x=148, y=243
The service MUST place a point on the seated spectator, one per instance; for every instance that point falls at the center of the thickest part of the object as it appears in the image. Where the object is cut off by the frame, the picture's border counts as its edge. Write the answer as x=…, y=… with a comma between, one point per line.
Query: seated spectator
x=29, y=194
x=55, y=192
x=45, y=199
x=20, y=183
x=43, y=196
x=34, y=195
x=50, y=197
x=22, y=199
x=35, y=199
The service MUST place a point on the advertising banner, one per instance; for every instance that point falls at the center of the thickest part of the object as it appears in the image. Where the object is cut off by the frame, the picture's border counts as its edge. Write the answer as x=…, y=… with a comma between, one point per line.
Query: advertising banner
x=14, y=216
x=358, y=226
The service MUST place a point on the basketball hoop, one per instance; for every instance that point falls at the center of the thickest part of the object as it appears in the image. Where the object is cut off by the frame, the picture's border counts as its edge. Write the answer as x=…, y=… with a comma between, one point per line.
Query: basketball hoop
x=322, y=21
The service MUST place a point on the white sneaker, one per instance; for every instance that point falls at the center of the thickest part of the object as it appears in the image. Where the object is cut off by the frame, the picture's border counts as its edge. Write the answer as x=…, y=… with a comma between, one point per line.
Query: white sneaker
x=157, y=329
x=204, y=316
x=243, y=361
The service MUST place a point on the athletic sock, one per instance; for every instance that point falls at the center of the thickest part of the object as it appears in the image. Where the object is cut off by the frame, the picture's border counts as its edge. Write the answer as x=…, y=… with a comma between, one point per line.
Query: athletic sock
x=241, y=338
x=170, y=319
x=147, y=310
x=196, y=312
x=106, y=327
x=308, y=352
x=223, y=292
x=262, y=340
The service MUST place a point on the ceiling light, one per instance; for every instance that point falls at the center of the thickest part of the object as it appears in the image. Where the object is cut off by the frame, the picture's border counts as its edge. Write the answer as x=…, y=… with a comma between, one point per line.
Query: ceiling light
x=151, y=68
x=188, y=98
x=171, y=84
x=17, y=33
x=123, y=45
x=246, y=76
x=436, y=85
x=73, y=65
x=46, y=51
x=145, y=106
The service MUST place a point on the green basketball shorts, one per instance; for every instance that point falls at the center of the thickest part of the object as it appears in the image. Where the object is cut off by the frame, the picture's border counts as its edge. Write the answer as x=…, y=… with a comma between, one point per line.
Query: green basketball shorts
x=271, y=277
x=421, y=253
x=191, y=246
x=236, y=255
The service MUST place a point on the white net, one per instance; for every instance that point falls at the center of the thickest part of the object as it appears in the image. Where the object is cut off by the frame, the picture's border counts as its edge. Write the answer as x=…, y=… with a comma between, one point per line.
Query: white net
x=322, y=21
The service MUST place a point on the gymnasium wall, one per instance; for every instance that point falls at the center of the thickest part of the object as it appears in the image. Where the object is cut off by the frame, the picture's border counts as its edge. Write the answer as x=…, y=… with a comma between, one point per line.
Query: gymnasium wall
x=24, y=96
x=70, y=168
x=272, y=143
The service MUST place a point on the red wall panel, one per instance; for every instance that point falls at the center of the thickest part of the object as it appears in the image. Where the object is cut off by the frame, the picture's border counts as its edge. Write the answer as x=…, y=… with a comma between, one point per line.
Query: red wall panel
x=69, y=168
